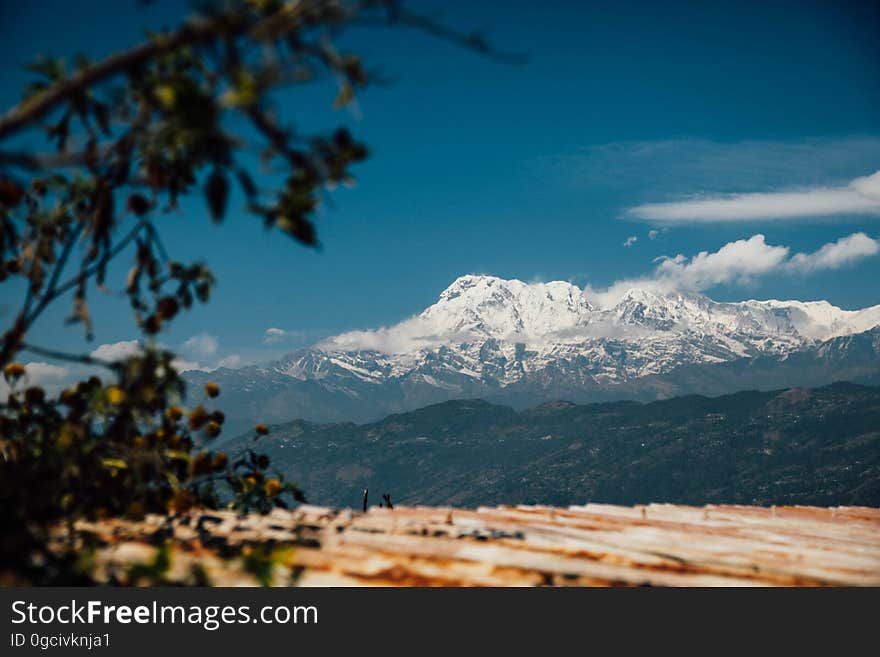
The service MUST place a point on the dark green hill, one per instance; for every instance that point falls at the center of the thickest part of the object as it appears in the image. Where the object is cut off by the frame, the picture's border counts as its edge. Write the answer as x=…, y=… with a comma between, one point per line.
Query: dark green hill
x=797, y=446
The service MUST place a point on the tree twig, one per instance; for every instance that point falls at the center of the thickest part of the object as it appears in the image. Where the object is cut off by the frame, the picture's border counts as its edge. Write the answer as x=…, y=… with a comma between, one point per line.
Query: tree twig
x=59, y=267
x=474, y=41
x=44, y=161
x=88, y=272
x=203, y=30
x=38, y=106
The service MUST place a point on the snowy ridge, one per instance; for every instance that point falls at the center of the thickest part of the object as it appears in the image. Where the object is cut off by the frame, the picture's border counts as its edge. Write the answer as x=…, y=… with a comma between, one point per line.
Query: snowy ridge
x=522, y=344
x=484, y=328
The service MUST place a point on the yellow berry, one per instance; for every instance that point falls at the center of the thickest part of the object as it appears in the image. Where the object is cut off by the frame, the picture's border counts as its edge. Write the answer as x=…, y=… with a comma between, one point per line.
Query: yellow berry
x=115, y=395
x=13, y=370
x=165, y=94
x=197, y=417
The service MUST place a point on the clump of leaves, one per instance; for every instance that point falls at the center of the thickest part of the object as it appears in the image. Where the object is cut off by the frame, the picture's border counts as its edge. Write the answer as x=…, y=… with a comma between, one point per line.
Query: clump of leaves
x=125, y=448
x=253, y=490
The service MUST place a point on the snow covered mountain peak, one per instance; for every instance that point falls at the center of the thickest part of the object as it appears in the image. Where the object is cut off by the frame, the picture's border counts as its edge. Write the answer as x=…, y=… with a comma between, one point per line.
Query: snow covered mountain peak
x=524, y=343
x=475, y=308
x=638, y=295
x=489, y=331
x=487, y=306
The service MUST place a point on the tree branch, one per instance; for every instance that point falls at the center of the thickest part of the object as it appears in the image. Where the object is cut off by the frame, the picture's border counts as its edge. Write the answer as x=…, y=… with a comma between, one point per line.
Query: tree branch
x=84, y=274
x=204, y=29
x=43, y=161
x=474, y=41
x=59, y=267
x=38, y=106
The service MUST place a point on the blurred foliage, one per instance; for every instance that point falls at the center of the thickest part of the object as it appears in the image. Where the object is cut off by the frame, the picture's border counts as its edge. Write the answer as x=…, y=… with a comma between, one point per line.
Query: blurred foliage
x=127, y=448
x=126, y=138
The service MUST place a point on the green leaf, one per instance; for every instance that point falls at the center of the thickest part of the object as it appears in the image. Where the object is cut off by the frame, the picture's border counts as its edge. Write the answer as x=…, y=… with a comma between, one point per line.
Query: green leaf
x=344, y=97
x=246, y=182
x=52, y=69
x=216, y=194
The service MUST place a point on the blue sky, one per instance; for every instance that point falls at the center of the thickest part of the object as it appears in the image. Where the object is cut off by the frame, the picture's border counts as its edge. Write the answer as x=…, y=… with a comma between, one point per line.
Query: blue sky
x=541, y=171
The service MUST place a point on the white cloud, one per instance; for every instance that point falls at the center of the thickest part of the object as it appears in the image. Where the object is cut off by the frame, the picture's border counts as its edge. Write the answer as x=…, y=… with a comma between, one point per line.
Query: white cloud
x=39, y=372
x=737, y=262
x=835, y=255
x=652, y=234
x=197, y=350
x=114, y=351
x=632, y=239
x=409, y=335
x=231, y=361
x=202, y=344
x=861, y=196
x=202, y=352
x=289, y=337
x=274, y=335
x=183, y=365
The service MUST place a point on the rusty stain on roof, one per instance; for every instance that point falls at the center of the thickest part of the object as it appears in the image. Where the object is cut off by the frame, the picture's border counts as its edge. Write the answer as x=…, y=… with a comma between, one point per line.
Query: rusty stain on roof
x=594, y=544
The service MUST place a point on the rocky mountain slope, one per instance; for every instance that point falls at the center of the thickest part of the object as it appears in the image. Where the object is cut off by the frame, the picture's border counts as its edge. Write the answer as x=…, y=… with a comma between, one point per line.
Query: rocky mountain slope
x=798, y=446
x=520, y=344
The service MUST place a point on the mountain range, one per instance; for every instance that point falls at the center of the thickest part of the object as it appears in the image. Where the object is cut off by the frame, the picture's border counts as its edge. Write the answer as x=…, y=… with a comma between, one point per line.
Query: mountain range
x=796, y=446
x=521, y=344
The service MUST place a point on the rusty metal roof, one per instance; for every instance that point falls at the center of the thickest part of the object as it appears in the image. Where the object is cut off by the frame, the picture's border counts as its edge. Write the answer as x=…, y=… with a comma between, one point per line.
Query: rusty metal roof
x=658, y=544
